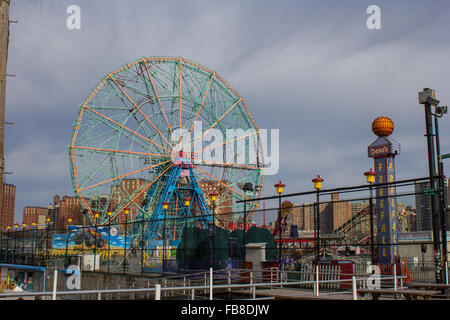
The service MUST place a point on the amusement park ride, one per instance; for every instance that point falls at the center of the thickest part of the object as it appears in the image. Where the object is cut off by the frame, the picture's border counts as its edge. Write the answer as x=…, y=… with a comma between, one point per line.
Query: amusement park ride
x=162, y=124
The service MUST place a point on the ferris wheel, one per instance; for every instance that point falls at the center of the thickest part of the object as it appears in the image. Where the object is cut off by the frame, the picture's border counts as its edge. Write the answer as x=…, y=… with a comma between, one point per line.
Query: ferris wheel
x=154, y=138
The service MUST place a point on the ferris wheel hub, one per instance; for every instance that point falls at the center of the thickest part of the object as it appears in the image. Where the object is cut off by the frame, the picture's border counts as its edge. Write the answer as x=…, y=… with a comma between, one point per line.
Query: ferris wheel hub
x=183, y=159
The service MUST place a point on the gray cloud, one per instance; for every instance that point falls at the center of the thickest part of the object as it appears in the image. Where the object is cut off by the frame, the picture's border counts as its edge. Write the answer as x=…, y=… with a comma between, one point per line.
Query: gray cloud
x=311, y=69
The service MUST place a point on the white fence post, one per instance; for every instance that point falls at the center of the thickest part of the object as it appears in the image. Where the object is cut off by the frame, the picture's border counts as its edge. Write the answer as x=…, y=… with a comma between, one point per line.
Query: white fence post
x=55, y=283
x=165, y=286
x=317, y=280
x=157, y=291
x=395, y=277
x=355, y=293
x=210, y=283
x=252, y=289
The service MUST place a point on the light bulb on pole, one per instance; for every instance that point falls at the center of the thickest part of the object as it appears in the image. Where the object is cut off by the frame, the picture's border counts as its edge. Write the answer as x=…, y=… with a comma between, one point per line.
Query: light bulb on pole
x=370, y=176
x=317, y=185
x=279, y=187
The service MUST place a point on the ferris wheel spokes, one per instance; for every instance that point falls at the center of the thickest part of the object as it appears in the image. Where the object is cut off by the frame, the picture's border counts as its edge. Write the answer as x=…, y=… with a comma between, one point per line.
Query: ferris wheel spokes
x=143, y=114
x=124, y=139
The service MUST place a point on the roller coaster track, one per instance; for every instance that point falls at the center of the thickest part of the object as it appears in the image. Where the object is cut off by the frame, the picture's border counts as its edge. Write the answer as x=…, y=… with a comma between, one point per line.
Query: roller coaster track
x=351, y=223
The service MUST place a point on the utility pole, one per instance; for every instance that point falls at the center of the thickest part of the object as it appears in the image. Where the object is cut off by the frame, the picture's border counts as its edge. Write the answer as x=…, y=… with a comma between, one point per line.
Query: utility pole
x=428, y=99
x=4, y=41
x=439, y=112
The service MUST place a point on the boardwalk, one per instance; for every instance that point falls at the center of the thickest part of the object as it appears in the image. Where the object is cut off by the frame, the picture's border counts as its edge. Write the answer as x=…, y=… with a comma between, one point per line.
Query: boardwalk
x=299, y=294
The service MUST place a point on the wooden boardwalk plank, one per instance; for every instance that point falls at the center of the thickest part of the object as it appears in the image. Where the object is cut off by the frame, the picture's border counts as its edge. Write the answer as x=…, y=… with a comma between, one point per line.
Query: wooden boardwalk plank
x=298, y=294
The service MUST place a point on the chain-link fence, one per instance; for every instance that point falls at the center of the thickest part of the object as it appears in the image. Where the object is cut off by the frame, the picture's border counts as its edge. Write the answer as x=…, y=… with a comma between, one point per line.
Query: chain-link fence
x=337, y=225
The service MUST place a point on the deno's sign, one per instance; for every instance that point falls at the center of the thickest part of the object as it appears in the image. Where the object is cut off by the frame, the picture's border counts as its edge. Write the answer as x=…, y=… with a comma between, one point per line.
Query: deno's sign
x=379, y=150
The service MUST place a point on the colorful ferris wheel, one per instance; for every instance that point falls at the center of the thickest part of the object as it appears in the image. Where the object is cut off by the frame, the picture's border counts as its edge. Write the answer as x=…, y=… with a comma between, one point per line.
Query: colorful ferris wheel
x=155, y=138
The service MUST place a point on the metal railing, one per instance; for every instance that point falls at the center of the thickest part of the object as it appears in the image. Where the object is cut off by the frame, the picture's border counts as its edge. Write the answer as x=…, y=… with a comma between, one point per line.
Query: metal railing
x=203, y=285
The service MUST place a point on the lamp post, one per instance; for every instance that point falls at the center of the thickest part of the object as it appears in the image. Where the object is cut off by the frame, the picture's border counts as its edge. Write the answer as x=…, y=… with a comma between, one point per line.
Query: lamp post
x=126, y=211
x=109, y=238
x=213, y=195
x=95, y=238
x=279, y=187
x=165, y=206
x=15, y=242
x=32, y=242
x=245, y=228
x=7, y=244
x=317, y=185
x=48, y=220
x=370, y=175
x=23, y=243
x=69, y=220
x=187, y=204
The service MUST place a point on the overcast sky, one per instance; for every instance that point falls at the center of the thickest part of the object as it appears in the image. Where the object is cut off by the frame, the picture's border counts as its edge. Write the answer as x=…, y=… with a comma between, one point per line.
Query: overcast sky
x=311, y=69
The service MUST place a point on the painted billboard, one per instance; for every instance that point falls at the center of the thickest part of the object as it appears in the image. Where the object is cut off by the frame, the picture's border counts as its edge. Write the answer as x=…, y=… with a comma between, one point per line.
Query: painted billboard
x=101, y=237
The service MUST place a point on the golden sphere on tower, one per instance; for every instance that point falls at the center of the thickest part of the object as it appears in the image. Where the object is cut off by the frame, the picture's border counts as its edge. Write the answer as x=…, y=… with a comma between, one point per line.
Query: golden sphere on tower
x=382, y=126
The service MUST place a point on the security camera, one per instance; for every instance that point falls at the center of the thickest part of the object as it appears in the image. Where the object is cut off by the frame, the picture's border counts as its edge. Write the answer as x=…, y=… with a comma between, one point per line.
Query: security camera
x=441, y=110
x=428, y=96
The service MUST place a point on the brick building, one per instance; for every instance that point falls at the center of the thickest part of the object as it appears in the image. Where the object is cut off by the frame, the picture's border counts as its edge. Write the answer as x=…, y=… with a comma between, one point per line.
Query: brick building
x=303, y=216
x=61, y=209
x=127, y=189
x=9, y=199
x=224, y=207
x=34, y=214
x=332, y=215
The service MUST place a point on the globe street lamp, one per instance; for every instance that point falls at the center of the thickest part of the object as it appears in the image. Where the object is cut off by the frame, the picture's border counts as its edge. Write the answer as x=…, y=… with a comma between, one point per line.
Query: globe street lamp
x=213, y=196
x=279, y=187
x=165, y=206
x=317, y=185
x=48, y=220
x=7, y=244
x=23, y=243
x=95, y=237
x=109, y=238
x=187, y=204
x=15, y=241
x=126, y=211
x=370, y=175
x=33, y=224
x=69, y=220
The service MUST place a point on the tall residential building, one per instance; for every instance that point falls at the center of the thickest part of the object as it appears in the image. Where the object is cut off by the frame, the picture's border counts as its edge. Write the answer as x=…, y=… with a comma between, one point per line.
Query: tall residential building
x=34, y=214
x=9, y=200
x=53, y=209
x=333, y=215
x=303, y=216
x=339, y=211
x=61, y=209
x=224, y=208
x=128, y=189
x=70, y=207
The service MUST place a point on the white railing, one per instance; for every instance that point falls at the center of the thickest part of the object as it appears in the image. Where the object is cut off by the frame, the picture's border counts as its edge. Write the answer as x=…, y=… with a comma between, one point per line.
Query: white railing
x=208, y=282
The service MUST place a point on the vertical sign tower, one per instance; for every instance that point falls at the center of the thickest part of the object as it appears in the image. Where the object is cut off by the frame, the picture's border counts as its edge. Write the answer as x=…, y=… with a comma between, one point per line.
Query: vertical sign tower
x=383, y=151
